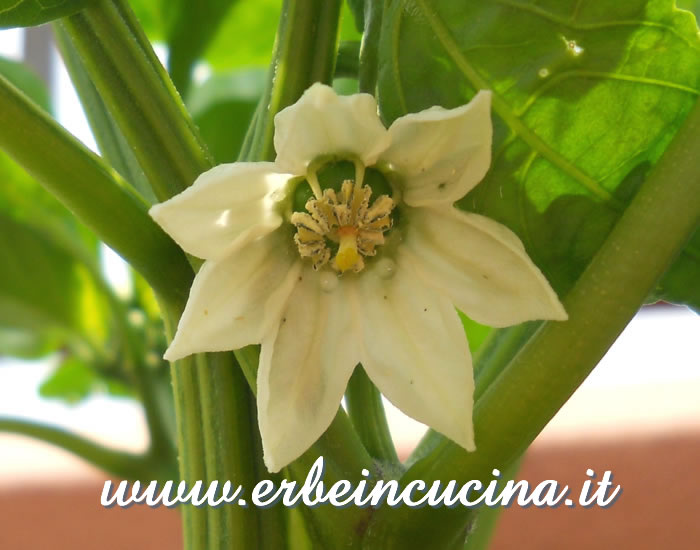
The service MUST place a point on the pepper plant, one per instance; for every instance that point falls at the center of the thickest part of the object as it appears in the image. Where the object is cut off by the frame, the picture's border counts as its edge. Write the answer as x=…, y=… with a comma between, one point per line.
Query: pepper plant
x=587, y=175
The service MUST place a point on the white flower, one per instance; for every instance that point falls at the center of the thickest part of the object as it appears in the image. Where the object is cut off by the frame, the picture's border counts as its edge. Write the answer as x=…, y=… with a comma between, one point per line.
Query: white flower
x=334, y=284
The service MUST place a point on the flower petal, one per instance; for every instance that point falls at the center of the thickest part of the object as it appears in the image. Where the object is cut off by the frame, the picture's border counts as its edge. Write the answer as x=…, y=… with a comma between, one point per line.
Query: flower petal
x=324, y=123
x=236, y=301
x=305, y=367
x=416, y=353
x=442, y=153
x=224, y=208
x=481, y=265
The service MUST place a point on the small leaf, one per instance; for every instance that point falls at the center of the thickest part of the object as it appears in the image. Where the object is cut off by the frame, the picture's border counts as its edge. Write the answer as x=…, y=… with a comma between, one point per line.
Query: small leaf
x=27, y=13
x=74, y=380
x=28, y=344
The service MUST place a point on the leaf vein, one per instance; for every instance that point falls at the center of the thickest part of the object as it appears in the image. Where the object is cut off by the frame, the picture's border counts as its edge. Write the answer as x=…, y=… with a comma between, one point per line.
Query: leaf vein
x=506, y=113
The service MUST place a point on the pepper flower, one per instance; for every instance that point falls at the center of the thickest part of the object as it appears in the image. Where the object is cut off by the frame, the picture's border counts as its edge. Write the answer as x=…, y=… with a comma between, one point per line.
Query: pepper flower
x=328, y=268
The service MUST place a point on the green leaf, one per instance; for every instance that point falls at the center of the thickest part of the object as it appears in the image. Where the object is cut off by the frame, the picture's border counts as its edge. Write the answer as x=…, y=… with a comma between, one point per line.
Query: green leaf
x=27, y=13
x=73, y=380
x=246, y=38
x=690, y=5
x=28, y=344
x=26, y=80
x=587, y=95
x=223, y=107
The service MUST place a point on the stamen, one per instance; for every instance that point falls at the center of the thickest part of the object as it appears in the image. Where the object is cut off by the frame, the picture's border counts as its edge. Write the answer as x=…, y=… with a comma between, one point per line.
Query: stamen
x=345, y=218
x=312, y=178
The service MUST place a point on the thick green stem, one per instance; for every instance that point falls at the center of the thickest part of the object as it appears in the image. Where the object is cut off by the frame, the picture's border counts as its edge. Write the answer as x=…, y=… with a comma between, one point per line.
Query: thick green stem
x=94, y=192
x=229, y=448
x=190, y=444
x=366, y=410
x=214, y=422
x=118, y=463
x=139, y=95
x=110, y=140
x=544, y=374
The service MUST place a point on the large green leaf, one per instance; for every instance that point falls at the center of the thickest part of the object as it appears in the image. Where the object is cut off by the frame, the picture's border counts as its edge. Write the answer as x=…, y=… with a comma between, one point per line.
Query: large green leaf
x=587, y=95
x=27, y=13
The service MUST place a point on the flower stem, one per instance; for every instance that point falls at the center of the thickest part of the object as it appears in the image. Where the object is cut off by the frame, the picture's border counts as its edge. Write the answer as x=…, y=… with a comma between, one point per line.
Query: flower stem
x=547, y=370
x=118, y=463
x=94, y=192
x=366, y=410
x=136, y=89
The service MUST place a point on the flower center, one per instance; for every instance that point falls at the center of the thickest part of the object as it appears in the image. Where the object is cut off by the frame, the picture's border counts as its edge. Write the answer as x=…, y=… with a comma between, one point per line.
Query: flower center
x=342, y=225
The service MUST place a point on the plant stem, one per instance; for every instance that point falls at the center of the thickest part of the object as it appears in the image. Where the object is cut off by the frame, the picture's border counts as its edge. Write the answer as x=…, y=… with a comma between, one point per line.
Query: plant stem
x=347, y=64
x=369, y=50
x=229, y=448
x=366, y=410
x=118, y=463
x=94, y=192
x=110, y=140
x=136, y=89
x=190, y=444
x=547, y=370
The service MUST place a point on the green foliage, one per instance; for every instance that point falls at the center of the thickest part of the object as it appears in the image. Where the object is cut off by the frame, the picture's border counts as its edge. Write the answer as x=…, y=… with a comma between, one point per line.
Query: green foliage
x=191, y=26
x=45, y=287
x=239, y=35
x=223, y=106
x=26, y=80
x=73, y=380
x=587, y=95
x=357, y=7
x=27, y=13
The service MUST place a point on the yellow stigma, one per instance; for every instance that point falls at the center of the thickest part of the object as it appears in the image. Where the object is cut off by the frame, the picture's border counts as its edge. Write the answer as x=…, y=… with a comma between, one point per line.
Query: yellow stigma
x=347, y=256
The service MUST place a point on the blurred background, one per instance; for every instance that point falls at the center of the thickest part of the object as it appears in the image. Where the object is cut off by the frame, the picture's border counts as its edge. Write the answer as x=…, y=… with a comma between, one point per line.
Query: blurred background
x=638, y=415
